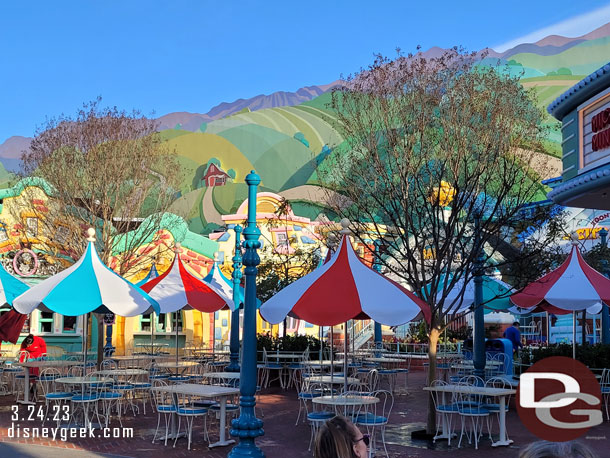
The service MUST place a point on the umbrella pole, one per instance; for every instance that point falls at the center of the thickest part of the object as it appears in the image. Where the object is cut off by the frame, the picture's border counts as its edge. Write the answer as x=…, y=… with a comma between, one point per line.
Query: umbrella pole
x=345, y=360
x=177, y=337
x=332, y=360
x=574, y=335
x=85, y=336
x=548, y=329
x=152, y=333
x=321, y=336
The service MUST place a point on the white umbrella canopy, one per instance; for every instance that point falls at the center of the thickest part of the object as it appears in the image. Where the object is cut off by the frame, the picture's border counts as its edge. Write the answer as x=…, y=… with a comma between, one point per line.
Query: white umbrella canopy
x=86, y=286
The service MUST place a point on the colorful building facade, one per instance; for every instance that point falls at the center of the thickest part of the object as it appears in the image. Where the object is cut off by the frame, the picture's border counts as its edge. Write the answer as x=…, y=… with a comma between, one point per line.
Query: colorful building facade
x=584, y=112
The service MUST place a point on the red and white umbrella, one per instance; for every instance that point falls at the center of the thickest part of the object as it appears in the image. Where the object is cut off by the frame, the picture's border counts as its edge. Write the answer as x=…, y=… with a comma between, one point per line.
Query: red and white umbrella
x=573, y=286
x=178, y=289
x=342, y=289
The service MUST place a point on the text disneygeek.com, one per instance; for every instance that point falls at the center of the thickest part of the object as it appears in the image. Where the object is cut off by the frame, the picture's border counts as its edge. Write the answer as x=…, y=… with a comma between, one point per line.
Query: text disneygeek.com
x=17, y=431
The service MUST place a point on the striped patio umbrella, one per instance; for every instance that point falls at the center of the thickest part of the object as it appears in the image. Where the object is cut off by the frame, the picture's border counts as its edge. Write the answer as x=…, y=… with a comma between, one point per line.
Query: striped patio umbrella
x=573, y=286
x=496, y=294
x=178, y=289
x=342, y=289
x=86, y=286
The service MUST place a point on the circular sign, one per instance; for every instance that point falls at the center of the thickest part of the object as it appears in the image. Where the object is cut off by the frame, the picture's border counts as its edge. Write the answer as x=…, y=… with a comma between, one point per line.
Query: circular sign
x=25, y=262
x=109, y=319
x=559, y=399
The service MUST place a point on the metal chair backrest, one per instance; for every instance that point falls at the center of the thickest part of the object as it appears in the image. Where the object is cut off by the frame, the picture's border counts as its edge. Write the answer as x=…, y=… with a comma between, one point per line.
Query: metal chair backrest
x=384, y=407
x=472, y=380
x=437, y=396
x=47, y=379
x=372, y=380
x=109, y=364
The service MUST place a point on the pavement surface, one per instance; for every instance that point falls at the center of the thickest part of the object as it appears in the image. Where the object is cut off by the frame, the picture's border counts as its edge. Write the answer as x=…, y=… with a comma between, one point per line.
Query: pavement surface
x=278, y=409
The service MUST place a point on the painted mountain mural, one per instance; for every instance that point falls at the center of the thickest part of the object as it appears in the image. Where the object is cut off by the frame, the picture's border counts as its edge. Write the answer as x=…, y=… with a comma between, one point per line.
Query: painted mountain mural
x=285, y=135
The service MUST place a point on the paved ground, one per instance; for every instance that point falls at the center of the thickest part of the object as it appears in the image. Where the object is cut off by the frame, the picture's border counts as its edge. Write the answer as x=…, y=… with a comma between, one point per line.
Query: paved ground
x=282, y=438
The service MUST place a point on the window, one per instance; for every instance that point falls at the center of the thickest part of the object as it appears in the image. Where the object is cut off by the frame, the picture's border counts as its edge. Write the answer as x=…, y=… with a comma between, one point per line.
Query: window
x=69, y=324
x=3, y=234
x=161, y=327
x=45, y=322
x=145, y=322
x=173, y=323
x=225, y=323
x=218, y=334
x=31, y=227
x=61, y=235
x=308, y=325
x=282, y=239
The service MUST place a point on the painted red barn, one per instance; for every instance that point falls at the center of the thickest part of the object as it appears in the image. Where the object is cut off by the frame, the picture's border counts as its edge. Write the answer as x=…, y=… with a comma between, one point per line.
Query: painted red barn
x=215, y=176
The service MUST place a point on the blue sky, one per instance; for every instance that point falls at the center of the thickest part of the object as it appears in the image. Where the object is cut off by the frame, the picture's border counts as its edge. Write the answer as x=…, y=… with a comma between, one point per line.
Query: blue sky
x=189, y=55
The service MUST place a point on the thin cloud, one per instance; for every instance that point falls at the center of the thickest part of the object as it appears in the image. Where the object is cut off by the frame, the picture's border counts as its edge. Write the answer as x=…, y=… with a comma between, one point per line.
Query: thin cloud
x=573, y=27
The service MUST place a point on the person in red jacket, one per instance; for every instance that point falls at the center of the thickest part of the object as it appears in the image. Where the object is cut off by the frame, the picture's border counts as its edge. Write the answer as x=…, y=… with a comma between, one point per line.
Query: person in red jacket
x=36, y=348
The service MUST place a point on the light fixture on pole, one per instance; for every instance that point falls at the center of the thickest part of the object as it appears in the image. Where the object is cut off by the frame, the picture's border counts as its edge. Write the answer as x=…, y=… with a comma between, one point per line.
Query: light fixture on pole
x=237, y=300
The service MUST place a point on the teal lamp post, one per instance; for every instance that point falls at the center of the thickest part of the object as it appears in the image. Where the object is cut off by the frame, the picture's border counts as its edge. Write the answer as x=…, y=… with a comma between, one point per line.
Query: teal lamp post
x=478, y=351
x=237, y=299
x=247, y=427
x=377, y=268
x=603, y=235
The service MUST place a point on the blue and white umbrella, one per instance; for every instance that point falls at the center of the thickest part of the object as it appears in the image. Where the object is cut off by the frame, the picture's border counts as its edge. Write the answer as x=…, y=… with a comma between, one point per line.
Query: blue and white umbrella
x=152, y=273
x=86, y=286
x=10, y=287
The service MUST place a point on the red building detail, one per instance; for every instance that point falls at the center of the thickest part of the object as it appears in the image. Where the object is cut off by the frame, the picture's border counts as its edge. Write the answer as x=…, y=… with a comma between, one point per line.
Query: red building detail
x=215, y=176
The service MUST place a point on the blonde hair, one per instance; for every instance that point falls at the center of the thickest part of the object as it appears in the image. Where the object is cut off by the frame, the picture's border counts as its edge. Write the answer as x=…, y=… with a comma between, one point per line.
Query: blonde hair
x=335, y=439
x=570, y=449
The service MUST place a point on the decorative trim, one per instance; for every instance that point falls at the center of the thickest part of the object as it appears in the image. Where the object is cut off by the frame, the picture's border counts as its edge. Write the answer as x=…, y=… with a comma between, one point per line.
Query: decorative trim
x=567, y=123
x=568, y=153
x=567, y=139
x=581, y=183
x=578, y=87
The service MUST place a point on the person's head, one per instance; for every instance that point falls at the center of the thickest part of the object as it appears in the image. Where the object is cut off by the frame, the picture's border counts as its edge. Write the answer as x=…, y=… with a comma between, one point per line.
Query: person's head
x=29, y=340
x=516, y=324
x=570, y=449
x=339, y=438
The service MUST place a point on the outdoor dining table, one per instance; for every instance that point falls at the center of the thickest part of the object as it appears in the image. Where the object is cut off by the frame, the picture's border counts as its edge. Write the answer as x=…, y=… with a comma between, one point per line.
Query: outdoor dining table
x=82, y=381
x=345, y=401
x=204, y=391
x=122, y=372
x=384, y=360
x=222, y=375
x=177, y=365
x=500, y=393
x=152, y=346
x=324, y=363
x=334, y=380
x=40, y=364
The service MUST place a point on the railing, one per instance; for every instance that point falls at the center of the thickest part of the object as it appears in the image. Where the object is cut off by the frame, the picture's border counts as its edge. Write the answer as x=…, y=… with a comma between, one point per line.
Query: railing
x=362, y=336
x=419, y=348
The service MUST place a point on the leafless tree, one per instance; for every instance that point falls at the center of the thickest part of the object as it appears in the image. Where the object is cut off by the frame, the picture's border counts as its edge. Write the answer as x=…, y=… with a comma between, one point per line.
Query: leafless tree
x=438, y=162
x=107, y=169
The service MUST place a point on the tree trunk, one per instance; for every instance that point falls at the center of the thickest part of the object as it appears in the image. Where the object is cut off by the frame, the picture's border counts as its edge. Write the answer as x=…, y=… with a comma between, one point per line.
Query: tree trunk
x=433, y=337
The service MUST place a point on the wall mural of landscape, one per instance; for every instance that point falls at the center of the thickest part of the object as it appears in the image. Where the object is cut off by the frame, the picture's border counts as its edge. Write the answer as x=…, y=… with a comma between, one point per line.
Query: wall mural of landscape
x=285, y=136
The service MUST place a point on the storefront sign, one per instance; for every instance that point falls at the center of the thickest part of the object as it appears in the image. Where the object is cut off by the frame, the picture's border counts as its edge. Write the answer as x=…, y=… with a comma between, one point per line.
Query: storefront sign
x=595, y=129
